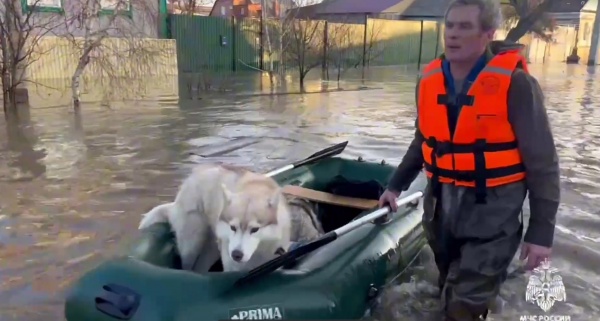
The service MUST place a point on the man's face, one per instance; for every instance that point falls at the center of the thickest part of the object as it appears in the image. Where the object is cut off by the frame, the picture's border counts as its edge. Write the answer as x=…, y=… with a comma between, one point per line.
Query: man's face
x=463, y=38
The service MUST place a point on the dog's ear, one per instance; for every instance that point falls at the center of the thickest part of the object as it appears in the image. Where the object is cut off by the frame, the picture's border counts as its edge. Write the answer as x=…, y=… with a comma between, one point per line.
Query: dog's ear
x=227, y=194
x=274, y=200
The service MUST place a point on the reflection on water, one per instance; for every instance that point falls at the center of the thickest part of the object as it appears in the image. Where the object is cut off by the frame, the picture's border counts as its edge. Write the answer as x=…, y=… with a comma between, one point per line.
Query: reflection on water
x=24, y=163
x=72, y=186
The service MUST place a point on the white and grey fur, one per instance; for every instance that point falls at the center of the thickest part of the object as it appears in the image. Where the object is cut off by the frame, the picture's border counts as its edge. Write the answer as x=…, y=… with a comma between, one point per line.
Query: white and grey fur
x=202, y=218
x=305, y=224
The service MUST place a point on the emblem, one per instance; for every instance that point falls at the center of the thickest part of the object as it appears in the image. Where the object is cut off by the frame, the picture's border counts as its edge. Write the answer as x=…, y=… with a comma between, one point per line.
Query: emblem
x=490, y=85
x=545, y=287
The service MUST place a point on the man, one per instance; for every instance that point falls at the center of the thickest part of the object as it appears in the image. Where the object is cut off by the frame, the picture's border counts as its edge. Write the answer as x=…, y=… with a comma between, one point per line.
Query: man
x=483, y=136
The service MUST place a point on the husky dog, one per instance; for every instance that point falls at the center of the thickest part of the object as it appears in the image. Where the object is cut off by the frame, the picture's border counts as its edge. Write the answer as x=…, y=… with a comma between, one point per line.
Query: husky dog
x=228, y=211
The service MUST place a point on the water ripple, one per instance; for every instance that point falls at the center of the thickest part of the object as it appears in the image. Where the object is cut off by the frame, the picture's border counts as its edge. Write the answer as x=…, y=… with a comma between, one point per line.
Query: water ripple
x=73, y=187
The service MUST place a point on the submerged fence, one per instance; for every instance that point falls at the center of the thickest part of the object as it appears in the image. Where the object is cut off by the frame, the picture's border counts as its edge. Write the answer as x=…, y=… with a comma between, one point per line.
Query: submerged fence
x=219, y=44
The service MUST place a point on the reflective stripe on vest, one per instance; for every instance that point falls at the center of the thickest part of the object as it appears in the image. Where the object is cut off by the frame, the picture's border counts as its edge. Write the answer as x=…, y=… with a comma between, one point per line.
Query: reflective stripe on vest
x=483, y=151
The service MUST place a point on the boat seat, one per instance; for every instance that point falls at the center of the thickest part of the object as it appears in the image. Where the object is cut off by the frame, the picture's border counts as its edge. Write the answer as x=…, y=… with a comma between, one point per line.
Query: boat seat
x=328, y=198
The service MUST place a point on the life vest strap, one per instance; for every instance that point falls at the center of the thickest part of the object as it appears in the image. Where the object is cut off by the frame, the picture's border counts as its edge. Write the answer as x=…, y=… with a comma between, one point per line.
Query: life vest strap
x=457, y=100
x=444, y=148
x=470, y=176
x=480, y=171
x=480, y=175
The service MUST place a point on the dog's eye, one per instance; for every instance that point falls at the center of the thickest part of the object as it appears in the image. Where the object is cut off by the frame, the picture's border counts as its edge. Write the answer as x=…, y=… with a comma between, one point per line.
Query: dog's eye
x=253, y=230
x=232, y=228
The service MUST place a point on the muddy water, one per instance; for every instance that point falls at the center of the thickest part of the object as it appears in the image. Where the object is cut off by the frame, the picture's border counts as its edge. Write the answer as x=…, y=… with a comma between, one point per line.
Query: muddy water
x=72, y=187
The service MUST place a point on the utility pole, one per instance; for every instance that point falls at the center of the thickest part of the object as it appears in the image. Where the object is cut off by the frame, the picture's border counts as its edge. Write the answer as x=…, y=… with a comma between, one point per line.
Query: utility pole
x=595, y=37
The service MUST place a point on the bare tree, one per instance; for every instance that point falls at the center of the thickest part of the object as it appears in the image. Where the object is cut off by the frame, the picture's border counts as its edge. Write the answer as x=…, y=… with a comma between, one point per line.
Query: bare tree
x=306, y=43
x=276, y=16
x=524, y=16
x=108, y=36
x=276, y=31
x=349, y=46
x=21, y=31
x=373, y=47
x=273, y=32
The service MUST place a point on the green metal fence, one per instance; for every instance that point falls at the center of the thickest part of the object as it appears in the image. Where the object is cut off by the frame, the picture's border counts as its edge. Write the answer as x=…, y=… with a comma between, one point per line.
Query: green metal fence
x=221, y=44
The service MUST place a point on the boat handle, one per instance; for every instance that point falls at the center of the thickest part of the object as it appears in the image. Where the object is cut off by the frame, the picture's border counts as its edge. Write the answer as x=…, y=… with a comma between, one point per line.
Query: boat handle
x=118, y=301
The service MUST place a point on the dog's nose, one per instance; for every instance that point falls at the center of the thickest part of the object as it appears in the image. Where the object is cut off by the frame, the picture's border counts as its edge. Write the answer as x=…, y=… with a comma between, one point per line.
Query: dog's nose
x=237, y=255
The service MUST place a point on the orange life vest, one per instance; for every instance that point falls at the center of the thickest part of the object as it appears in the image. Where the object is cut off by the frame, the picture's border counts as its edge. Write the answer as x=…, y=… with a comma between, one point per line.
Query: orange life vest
x=483, y=150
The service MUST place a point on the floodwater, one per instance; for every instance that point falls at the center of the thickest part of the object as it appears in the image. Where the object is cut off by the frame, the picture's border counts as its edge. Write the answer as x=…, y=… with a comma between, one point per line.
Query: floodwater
x=72, y=187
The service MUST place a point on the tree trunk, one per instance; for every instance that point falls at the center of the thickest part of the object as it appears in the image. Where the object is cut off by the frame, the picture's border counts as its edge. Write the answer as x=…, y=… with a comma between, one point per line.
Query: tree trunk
x=302, y=75
x=8, y=93
x=5, y=96
x=75, y=89
x=271, y=80
x=266, y=35
x=76, y=82
x=5, y=102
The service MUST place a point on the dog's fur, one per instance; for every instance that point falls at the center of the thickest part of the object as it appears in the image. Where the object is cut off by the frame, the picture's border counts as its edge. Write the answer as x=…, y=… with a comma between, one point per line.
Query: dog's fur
x=231, y=211
x=305, y=225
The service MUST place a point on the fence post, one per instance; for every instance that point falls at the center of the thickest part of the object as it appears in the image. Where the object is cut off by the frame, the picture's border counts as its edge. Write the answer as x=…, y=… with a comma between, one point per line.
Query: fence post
x=420, y=47
x=233, y=38
x=325, y=43
x=261, y=59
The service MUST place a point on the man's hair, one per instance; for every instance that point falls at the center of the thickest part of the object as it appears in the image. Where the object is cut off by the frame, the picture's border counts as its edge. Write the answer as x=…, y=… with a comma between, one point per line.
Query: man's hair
x=490, y=12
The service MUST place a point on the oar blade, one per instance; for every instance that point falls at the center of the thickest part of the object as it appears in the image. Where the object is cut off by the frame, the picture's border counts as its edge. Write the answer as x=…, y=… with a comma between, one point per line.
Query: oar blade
x=327, y=152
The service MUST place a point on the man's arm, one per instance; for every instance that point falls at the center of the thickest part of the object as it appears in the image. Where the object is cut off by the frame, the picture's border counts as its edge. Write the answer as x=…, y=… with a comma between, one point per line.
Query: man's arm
x=412, y=162
x=528, y=117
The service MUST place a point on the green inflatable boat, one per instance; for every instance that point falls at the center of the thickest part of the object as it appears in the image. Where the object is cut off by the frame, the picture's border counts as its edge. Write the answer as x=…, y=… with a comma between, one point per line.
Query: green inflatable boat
x=338, y=276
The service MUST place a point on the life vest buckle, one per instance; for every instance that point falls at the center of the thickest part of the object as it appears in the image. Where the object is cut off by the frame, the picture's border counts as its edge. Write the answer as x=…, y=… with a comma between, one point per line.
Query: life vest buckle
x=480, y=145
x=460, y=99
x=439, y=148
x=464, y=176
x=443, y=148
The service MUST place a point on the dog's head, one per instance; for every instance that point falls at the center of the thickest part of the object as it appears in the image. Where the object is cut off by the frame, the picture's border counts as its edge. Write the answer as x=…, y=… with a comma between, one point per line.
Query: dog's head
x=247, y=220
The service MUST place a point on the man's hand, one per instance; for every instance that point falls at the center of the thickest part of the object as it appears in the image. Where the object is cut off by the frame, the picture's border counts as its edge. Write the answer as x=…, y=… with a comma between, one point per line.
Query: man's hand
x=535, y=255
x=389, y=198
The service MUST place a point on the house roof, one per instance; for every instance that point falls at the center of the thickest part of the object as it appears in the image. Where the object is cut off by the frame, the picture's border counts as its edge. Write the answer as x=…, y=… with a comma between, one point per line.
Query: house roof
x=590, y=6
x=415, y=8
x=571, y=5
x=355, y=6
x=425, y=8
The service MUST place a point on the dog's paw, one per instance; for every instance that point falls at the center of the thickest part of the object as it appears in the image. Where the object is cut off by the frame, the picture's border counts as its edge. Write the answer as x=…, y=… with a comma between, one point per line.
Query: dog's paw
x=280, y=251
x=295, y=245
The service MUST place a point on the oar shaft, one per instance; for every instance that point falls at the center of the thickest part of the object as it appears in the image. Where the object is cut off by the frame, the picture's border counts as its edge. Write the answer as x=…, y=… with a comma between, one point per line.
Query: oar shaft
x=376, y=214
x=279, y=170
